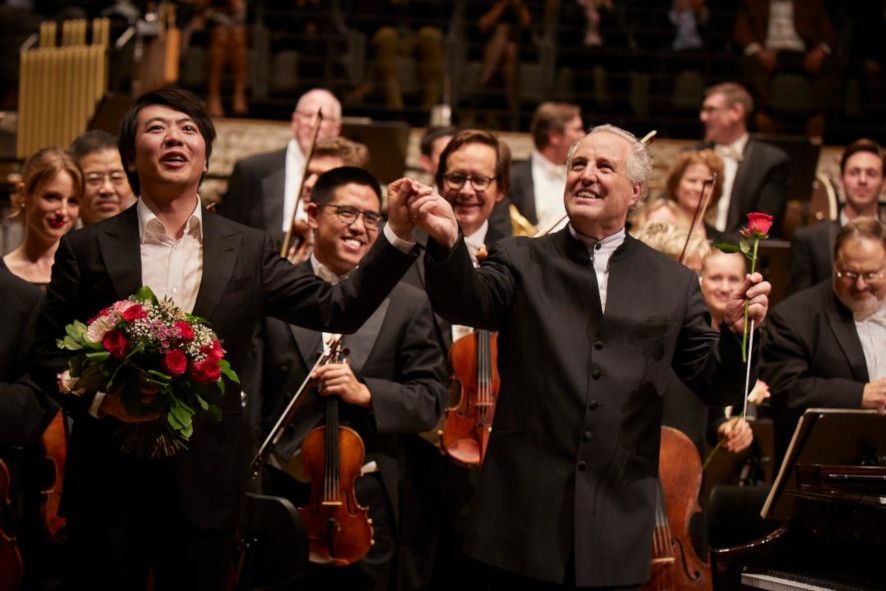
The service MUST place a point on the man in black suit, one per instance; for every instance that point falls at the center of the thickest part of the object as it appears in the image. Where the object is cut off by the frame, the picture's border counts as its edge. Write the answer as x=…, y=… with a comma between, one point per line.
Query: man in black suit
x=537, y=184
x=392, y=384
x=263, y=189
x=590, y=324
x=755, y=174
x=823, y=346
x=175, y=517
x=861, y=179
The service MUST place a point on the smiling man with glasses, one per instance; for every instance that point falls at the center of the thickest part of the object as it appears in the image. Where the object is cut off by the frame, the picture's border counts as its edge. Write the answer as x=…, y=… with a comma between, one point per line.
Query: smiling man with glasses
x=106, y=190
x=825, y=346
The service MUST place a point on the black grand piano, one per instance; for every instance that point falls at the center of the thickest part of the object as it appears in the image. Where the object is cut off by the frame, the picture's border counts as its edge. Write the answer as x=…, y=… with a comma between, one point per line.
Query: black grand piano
x=830, y=495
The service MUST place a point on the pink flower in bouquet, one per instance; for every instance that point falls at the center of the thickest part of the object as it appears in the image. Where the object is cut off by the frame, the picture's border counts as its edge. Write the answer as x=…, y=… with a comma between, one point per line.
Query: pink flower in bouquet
x=758, y=225
x=213, y=350
x=133, y=313
x=186, y=333
x=99, y=326
x=115, y=343
x=101, y=314
x=206, y=371
x=175, y=362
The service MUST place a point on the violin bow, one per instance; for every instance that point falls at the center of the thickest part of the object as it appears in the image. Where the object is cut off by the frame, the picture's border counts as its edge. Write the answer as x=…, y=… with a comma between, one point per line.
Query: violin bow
x=646, y=140
x=699, y=211
x=335, y=350
x=284, y=249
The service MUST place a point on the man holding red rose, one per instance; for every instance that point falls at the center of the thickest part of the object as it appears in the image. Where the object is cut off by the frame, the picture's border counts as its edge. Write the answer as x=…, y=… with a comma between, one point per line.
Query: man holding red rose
x=574, y=451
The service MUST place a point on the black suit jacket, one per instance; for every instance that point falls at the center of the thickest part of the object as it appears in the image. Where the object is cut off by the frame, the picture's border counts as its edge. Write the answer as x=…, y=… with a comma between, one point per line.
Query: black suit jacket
x=243, y=279
x=394, y=353
x=573, y=457
x=811, y=358
x=24, y=409
x=812, y=255
x=761, y=184
x=255, y=193
x=523, y=190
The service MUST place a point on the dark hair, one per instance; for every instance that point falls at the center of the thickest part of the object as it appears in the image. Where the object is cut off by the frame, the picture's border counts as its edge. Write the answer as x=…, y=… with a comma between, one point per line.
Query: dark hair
x=328, y=182
x=860, y=145
x=175, y=98
x=860, y=227
x=90, y=142
x=479, y=136
x=432, y=134
x=551, y=117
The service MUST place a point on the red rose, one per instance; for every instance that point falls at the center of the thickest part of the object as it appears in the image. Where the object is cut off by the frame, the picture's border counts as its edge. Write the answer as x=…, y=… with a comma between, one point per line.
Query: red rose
x=115, y=343
x=184, y=330
x=133, y=313
x=759, y=224
x=206, y=371
x=213, y=350
x=175, y=362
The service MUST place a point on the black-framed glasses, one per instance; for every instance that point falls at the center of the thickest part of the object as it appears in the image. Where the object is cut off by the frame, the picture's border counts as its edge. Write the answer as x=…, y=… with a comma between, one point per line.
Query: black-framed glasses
x=457, y=180
x=94, y=179
x=348, y=215
x=852, y=276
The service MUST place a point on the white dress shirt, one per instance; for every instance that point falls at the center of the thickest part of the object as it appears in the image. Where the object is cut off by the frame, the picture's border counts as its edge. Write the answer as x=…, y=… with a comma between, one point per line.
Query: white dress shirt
x=295, y=168
x=731, y=155
x=872, y=334
x=600, y=252
x=172, y=268
x=548, y=183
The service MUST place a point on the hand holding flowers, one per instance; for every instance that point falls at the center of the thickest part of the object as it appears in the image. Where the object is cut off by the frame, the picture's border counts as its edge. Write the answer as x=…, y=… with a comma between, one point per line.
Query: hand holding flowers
x=154, y=361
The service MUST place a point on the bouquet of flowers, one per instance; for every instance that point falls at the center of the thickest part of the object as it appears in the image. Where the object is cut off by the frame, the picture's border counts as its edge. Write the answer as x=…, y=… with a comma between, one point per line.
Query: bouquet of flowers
x=140, y=345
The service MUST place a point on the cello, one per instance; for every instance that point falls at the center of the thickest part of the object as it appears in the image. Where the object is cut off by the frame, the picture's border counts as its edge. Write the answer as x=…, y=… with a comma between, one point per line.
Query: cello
x=675, y=564
x=339, y=528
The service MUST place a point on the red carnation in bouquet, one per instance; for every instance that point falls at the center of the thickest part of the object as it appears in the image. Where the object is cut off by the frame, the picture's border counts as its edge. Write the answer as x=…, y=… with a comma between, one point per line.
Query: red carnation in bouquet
x=142, y=343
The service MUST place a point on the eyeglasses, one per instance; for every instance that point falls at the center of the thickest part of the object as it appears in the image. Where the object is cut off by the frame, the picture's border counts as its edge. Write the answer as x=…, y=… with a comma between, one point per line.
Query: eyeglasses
x=457, y=180
x=348, y=215
x=95, y=179
x=852, y=276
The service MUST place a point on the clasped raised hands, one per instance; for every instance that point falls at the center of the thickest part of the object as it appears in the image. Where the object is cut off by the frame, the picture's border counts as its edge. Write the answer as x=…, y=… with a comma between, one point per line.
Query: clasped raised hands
x=413, y=204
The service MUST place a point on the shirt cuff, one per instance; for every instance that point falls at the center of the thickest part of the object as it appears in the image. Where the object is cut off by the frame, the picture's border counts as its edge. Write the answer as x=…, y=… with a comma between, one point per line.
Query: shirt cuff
x=96, y=403
x=404, y=246
x=752, y=48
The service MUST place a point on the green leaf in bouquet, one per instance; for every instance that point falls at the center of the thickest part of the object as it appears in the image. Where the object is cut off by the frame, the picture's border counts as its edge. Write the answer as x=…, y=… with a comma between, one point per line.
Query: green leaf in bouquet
x=221, y=385
x=226, y=370
x=173, y=421
x=158, y=377
x=145, y=294
x=200, y=400
x=727, y=247
x=745, y=246
x=187, y=431
x=98, y=356
x=68, y=343
x=76, y=330
x=181, y=412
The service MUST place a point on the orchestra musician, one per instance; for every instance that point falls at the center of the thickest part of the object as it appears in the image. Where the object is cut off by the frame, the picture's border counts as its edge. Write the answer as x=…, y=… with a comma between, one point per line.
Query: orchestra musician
x=590, y=323
x=391, y=385
x=175, y=517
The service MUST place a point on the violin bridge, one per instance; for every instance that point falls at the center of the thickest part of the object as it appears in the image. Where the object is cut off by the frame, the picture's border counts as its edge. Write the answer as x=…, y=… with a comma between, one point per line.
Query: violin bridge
x=331, y=503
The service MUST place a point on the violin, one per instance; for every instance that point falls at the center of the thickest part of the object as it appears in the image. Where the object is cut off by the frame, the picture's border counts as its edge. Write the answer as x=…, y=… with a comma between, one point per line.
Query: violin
x=12, y=568
x=675, y=564
x=339, y=529
x=55, y=446
x=467, y=425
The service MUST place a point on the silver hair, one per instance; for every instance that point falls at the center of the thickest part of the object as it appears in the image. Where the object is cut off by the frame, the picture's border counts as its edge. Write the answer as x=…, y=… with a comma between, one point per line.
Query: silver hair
x=639, y=165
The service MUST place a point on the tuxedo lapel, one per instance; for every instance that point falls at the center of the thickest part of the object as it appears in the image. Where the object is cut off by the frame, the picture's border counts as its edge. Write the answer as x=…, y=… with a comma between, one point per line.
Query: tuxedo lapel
x=272, y=187
x=120, y=250
x=845, y=334
x=738, y=203
x=360, y=343
x=220, y=248
x=309, y=342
